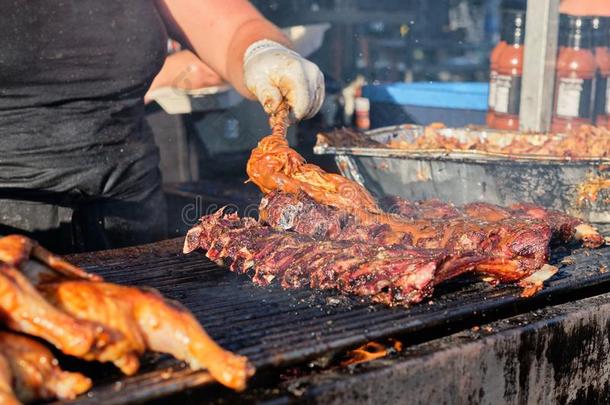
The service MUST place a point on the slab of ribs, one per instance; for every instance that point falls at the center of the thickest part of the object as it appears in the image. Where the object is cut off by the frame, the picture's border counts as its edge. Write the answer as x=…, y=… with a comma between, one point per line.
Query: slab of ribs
x=324, y=231
x=45, y=297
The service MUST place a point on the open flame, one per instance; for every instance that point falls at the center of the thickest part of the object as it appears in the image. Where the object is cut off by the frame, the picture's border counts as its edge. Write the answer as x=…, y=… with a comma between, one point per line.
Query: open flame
x=371, y=351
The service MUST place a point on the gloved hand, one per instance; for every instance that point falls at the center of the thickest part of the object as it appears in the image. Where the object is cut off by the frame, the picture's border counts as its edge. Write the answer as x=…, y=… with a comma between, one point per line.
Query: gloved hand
x=273, y=72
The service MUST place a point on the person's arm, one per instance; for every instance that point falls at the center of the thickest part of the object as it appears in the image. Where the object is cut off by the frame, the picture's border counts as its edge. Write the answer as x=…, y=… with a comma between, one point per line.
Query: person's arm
x=586, y=7
x=247, y=50
x=184, y=70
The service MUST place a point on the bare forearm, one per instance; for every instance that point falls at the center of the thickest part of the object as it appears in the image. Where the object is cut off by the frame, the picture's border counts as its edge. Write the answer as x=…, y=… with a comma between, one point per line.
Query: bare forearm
x=184, y=70
x=585, y=7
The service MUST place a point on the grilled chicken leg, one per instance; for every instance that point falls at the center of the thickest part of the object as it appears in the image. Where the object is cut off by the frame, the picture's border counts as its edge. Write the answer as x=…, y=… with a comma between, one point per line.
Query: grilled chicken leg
x=92, y=320
x=7, y=396
x=149, y=322
x=36, y=373
x=23, y=309
x=15, y=250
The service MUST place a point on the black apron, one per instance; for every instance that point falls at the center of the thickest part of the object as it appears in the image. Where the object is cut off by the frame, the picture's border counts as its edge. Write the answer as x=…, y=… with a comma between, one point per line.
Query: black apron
x=78, y=165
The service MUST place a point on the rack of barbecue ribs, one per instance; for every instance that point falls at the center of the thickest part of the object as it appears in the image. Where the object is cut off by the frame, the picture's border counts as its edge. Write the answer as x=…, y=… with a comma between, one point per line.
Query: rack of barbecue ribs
x=474, y=226
x=564, y=227
x=81, y=315
x=326, y=231
x=393, y=275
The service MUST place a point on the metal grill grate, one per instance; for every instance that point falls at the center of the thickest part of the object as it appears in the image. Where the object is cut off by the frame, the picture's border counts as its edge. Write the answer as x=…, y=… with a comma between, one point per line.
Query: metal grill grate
x=274, y=327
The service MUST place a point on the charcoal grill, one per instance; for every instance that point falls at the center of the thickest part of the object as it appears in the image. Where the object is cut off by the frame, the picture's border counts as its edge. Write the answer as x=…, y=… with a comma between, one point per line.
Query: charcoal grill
x=278, y=329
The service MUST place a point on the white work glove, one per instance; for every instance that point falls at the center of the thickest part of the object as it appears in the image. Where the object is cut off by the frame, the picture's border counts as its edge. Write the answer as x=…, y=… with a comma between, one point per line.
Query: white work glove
x=273, y=72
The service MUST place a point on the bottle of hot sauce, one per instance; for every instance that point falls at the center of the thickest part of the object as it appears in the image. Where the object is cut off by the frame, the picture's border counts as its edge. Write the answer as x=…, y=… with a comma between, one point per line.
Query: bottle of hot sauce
x=574, y=77
x=510, y=70
x=494, y=57
x=601, y=50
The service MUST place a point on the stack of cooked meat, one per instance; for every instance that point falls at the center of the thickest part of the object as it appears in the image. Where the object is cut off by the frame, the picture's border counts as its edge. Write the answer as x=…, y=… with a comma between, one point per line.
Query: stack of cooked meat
x=82, y=316
x=325, y=231
x=299, y=242
x=392, y=274
x=585, y=142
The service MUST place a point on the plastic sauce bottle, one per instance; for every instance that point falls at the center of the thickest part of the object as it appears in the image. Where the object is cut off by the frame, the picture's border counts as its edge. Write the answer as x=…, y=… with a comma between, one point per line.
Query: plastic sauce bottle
x=494, y=57
x=508, y=80
x=362, y=109
x=575, y=75
x=601, y=50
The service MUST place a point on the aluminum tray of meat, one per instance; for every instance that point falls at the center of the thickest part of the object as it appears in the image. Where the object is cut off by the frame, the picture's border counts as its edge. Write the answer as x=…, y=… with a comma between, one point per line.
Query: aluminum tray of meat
x=568, y=172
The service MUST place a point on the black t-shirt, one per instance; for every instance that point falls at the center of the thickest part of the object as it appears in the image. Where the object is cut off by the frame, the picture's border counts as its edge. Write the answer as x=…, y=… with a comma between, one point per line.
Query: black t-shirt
x=73, y=74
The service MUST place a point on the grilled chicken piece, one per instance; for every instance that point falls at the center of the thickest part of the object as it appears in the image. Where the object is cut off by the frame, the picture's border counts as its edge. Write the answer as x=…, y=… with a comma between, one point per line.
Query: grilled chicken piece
x=99, y=321
x=23, y=309
x=36, y=373
x=7, y=396
x=274, y=165
x=147, y=321
x=15, y=250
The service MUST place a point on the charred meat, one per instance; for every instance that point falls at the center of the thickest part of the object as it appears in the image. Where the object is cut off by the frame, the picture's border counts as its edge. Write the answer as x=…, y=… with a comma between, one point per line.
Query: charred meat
x=564, y=227
x=326, y=231
x=391, y=274
x=513, y=248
